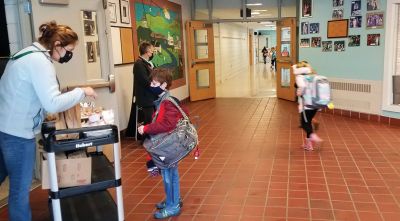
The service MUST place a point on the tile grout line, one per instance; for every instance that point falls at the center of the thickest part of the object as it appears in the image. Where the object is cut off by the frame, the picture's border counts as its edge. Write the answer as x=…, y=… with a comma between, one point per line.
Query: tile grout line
x=341, y=172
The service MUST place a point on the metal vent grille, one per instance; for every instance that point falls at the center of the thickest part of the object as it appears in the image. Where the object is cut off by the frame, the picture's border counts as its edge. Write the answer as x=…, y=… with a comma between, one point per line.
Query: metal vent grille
x=346, y=86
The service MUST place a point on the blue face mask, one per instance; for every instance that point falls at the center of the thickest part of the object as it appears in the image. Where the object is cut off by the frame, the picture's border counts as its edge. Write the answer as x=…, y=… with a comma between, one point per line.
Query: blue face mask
x=156, y=90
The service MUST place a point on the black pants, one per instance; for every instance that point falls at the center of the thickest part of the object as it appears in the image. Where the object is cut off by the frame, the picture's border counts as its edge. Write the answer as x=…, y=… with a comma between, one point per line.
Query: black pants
x=273, y=63
x=306, y=121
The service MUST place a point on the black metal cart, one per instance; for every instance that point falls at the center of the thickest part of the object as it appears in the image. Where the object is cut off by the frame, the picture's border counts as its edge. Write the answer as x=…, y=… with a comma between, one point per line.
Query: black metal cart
x=90, y=202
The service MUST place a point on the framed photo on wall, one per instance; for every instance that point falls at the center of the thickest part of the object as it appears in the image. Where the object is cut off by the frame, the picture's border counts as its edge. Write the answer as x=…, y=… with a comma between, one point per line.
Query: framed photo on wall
x=373, y=5
x=375, y=20
x=354, y=40
x=125, y=15
x=339, y=46
x=326, y=46
x=304, y=43
x=304, y=28
x=306, y=8
x=373, y=39
x=337, y=3
x=338, y=28
x=112, y=9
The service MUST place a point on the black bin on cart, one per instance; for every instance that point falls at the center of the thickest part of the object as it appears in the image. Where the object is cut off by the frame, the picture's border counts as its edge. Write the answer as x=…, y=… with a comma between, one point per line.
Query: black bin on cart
x=90, y=202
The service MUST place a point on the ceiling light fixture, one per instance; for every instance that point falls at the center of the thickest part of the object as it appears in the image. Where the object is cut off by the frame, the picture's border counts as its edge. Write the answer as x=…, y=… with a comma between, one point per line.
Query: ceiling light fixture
x=260, y=10
x=255, y=13
x=254, y=4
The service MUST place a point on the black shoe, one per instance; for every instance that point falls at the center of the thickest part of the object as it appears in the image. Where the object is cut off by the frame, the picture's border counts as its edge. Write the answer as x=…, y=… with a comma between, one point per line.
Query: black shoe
x=161, y=205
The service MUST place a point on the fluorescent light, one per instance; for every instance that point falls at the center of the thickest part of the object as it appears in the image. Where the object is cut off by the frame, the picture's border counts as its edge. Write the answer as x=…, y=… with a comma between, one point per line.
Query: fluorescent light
x=254, y=4
x=255, y=13
x=260, y=10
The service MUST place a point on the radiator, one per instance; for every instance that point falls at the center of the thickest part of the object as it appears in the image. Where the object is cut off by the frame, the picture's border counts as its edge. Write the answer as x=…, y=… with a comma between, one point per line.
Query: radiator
x=357, y=95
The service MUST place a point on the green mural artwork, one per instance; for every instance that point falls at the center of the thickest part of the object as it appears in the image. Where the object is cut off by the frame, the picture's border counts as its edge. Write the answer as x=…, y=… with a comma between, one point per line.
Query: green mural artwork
x=160, y=23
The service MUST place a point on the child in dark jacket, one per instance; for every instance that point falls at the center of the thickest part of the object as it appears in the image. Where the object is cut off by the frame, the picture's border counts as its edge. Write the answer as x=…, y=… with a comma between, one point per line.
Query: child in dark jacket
x=166, y=119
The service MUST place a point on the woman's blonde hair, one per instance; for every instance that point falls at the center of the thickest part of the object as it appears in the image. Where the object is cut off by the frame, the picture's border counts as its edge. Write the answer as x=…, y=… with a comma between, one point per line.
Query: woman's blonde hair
x=303, y=64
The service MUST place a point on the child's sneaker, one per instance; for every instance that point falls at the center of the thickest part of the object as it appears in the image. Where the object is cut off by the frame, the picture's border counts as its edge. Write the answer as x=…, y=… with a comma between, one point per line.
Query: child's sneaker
x=165, y=213
x=152, y=168
x=309, y=145
x=161, y=205
x=316, y=139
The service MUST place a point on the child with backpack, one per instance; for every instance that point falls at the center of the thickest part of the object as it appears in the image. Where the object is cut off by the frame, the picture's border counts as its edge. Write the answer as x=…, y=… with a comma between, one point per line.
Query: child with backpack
x=165, y=120
x=313, y=93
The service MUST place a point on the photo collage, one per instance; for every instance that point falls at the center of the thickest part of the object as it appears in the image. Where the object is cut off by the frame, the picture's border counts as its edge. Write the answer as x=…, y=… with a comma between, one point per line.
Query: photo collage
x=374, y=19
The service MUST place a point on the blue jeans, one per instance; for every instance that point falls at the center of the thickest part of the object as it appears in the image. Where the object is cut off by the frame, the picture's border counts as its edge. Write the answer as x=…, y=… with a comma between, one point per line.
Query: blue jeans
x=171, y=187
x=17, y=159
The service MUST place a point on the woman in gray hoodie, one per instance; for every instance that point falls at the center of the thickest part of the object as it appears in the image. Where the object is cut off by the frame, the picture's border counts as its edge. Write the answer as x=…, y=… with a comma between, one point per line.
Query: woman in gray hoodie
x=28, y=88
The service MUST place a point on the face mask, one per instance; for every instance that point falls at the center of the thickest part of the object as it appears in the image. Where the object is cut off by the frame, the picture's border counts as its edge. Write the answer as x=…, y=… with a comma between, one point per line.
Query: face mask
x=156, y=90
x=66, y=57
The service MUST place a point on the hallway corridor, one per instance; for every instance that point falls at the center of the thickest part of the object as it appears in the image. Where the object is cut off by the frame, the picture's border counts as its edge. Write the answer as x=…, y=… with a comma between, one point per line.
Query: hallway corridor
x=260, y=81
x=252, y=168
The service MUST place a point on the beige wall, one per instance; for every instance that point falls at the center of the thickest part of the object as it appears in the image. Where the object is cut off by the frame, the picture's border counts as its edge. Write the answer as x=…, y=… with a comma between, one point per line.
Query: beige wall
x=231, y=51
x=74, y=72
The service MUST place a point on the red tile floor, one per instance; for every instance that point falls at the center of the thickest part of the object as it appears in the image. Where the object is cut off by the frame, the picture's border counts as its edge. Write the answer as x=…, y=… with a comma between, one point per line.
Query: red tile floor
x=252, y=168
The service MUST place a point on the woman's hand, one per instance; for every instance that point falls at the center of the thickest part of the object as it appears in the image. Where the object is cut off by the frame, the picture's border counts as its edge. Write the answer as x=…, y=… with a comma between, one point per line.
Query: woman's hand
x=141, y=130
x=89, y=92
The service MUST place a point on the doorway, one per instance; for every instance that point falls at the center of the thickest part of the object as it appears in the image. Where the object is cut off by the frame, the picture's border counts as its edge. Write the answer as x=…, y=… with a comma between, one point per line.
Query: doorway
x=236, y=74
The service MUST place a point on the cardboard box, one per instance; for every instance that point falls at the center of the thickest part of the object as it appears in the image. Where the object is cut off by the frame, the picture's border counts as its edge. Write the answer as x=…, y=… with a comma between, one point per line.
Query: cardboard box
x=70, y=172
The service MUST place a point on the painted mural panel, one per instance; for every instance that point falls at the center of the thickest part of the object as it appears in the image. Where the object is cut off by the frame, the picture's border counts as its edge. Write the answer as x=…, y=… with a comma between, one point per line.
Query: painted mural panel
x=160, y=23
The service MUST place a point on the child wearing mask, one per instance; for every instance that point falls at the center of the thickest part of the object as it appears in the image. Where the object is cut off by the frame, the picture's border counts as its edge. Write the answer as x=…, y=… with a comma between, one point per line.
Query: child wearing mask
x=165, y=120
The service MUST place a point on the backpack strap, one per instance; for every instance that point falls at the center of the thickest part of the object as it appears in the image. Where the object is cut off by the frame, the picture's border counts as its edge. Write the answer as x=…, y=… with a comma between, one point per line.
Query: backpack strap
x=179, y=107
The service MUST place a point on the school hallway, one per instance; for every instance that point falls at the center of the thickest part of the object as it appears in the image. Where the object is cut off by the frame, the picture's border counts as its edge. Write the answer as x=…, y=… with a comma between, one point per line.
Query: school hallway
x=259, y=81
x=251, y=167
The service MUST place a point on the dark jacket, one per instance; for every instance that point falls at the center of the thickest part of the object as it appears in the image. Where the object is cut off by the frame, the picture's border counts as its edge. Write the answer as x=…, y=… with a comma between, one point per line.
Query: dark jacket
x=141, y=74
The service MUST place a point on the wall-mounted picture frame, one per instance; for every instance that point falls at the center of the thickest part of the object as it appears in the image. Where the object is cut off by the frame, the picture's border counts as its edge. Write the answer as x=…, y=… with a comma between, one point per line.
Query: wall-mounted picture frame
x=355, y=22
x=337, y=13
x=373, y=5
x=339, y=46
x=375, y=20
x=91, y=52
x=112, y=10
x=337, y=3
x=314, y=28
x=316, y=42
x=87, y=15
x=304, y=28
x=355, y=7
x=354, y=40
x=326, y=46
x=125, y=15
x=89, y=27
x=373, y=39
x=160, y=22
x=304, y=43
x=306, y=8
x=338, y=28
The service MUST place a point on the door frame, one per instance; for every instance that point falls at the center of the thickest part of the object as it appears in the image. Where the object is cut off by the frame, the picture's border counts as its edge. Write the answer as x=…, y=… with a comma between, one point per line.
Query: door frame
x=194, y=64
x=286, y=93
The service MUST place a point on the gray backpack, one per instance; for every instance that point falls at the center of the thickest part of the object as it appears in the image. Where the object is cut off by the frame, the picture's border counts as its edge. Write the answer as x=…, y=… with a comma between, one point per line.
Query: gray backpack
x=167, y=149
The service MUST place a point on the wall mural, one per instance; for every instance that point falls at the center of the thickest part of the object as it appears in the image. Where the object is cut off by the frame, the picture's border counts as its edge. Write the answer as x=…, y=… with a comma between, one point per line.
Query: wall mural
x=160, y=22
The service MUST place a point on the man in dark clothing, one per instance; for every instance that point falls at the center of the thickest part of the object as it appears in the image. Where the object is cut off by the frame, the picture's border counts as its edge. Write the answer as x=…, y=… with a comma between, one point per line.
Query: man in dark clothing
x=143, y=98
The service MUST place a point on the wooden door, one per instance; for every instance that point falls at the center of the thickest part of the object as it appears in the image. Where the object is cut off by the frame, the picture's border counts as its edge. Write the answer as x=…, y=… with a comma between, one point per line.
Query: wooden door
x=201, y=63
x=286, y=56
